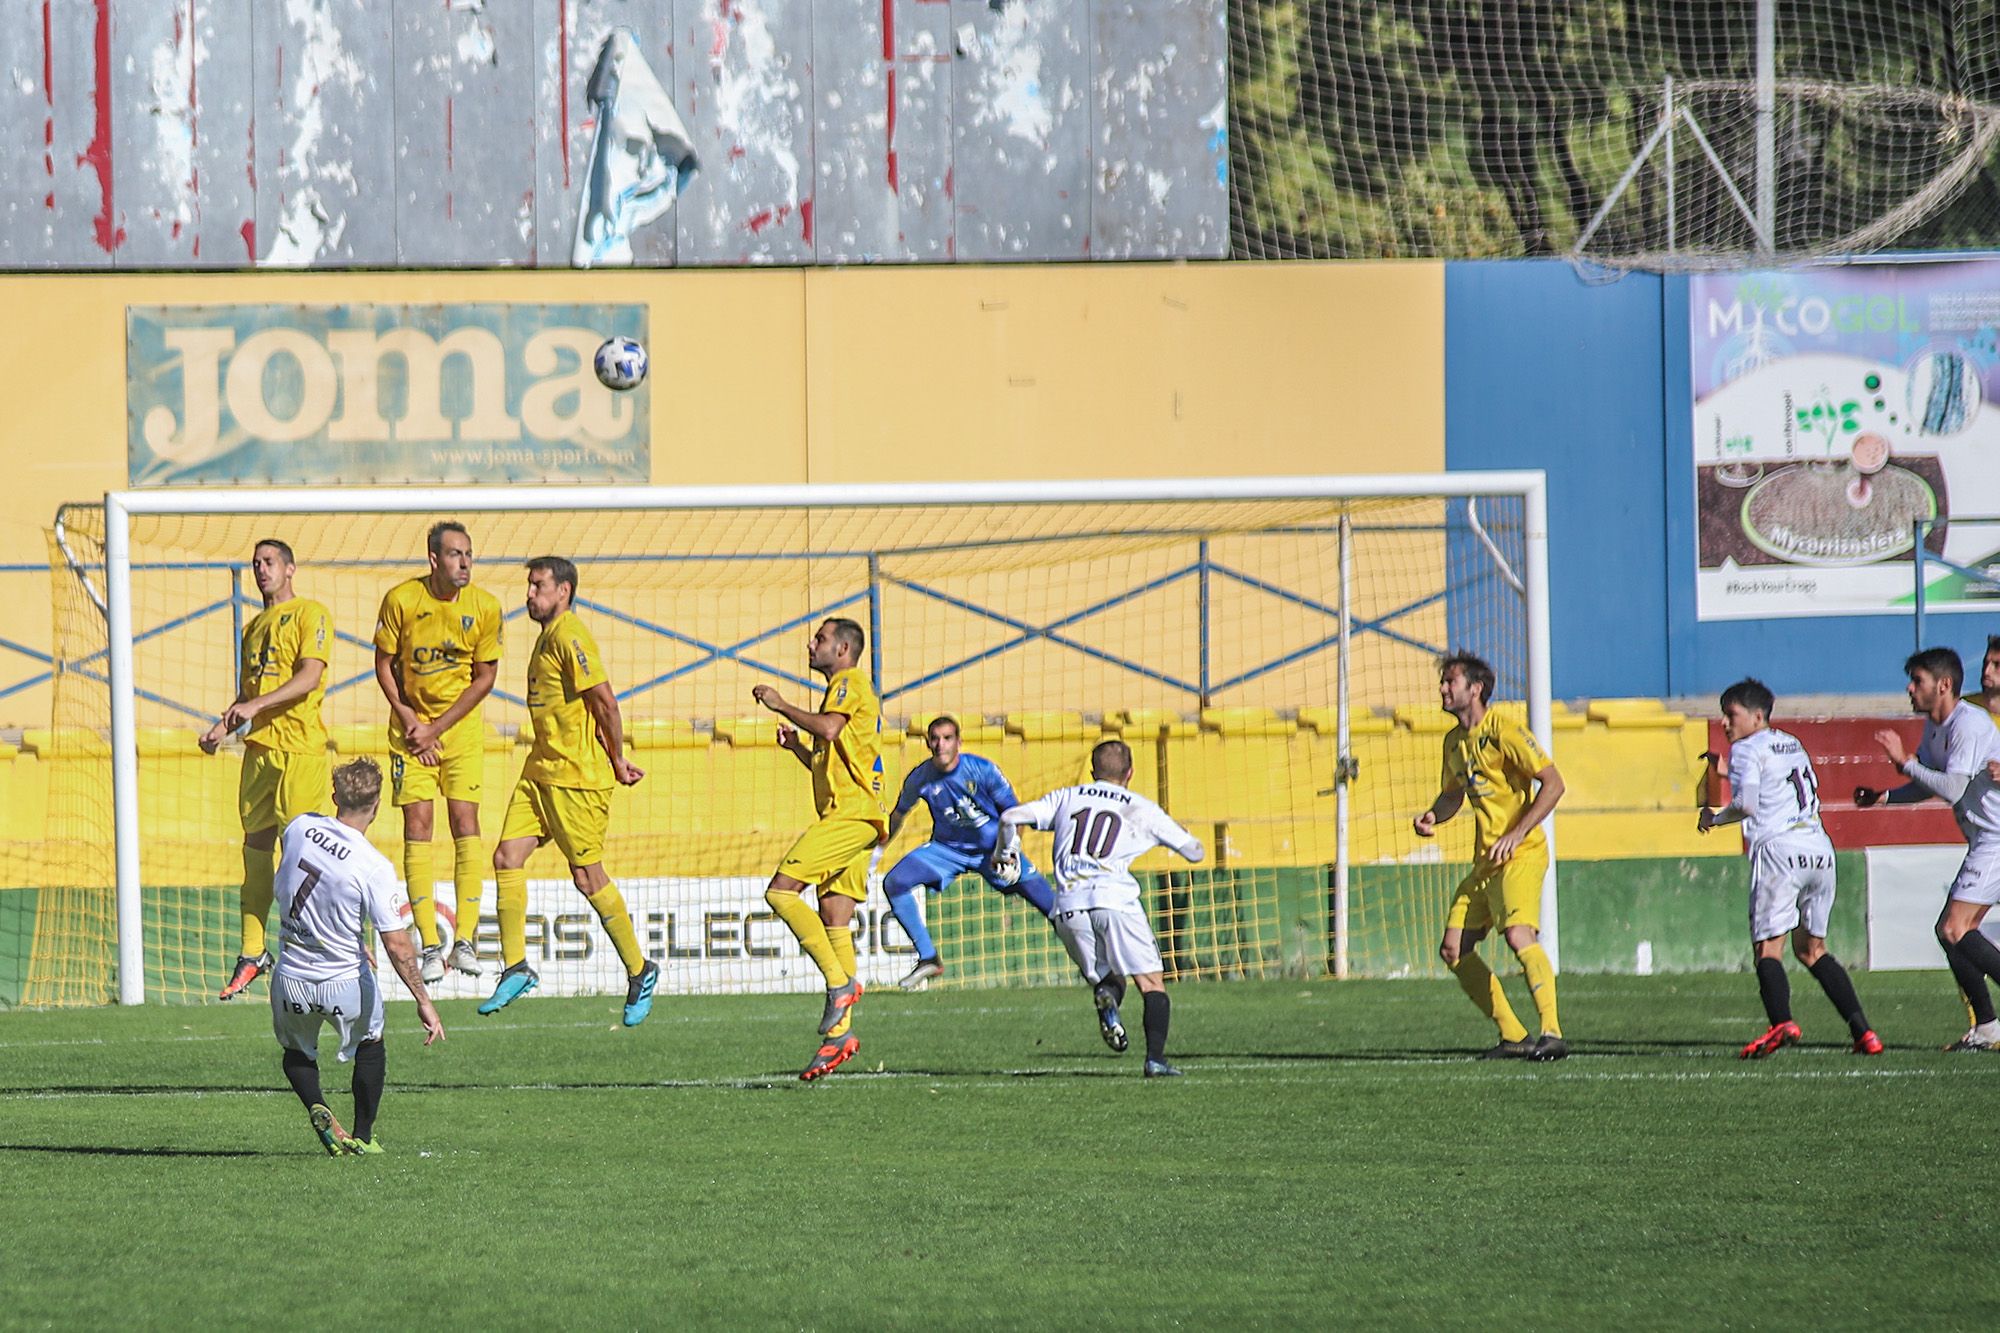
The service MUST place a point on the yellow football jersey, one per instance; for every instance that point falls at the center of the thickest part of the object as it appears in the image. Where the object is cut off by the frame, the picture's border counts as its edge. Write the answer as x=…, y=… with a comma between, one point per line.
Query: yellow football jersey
x=435, y=643
x=847, y=771
x=275, y=641
x=565, y=663
x=1495, y=764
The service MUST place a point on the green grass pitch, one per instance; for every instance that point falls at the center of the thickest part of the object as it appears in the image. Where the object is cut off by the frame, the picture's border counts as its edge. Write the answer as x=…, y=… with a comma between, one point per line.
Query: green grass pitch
x=1332, y=1158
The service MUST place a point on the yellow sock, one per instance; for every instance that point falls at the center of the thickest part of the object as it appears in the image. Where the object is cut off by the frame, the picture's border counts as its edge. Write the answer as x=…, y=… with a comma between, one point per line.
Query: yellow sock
x=259, y=869
x=1542, y=985
x=420, y=874
x=1478, y=981
x=812, y=933
x=510, y=906
x=609, y=905
x=468, y=872
x=843, y=947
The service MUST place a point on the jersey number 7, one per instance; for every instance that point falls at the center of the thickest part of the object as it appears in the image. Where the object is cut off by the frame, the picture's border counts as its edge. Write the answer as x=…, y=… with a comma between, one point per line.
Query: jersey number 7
x=311, y=873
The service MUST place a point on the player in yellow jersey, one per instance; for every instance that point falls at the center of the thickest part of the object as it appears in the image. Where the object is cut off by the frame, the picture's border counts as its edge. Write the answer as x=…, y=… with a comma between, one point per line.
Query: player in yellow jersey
x=564, y=795
x=831, y=857
x=281, y=680
x=1496, y=762
x=437, y=654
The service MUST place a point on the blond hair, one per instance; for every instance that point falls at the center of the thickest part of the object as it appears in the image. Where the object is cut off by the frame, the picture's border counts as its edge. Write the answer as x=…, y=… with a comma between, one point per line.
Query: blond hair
x=358, y=785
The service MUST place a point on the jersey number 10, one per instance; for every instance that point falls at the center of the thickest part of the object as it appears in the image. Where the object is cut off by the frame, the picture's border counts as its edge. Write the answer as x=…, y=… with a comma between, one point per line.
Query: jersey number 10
x=1094, y=837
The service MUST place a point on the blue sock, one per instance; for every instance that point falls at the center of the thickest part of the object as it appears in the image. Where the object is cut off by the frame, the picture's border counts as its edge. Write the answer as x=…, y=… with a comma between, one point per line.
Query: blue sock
x=1037, y=891
x=910, y=915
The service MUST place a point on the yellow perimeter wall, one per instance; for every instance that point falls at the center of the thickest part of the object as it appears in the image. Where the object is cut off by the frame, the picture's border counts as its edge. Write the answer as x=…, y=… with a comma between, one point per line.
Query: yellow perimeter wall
x=831, y=375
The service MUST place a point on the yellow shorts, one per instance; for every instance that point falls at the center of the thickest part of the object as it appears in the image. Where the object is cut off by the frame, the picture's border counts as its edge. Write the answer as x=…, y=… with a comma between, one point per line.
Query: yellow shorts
x=1504, y=895
x=833, y=854
x=277, y=787
x=460, y=770
x=570, y=817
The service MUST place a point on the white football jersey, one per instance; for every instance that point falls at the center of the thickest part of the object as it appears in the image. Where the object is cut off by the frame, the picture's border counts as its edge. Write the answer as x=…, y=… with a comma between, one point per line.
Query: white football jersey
x=1100, y=828
x=1771, y=780
x=1965, y=742
x=330, y=881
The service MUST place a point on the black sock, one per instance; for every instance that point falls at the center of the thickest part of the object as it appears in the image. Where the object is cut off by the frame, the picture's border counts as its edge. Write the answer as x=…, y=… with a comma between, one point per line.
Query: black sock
x=1971, y=980
x=303, y=1075
x=1115, y=984
x=1982, y=951
x=370, y=1062
x=1158, y=1009
x=1839, y=988
x=1776, y=989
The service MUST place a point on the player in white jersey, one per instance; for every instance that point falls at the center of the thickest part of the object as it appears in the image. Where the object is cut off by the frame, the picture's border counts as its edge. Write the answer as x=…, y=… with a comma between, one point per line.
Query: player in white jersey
x=1954, y=761
x=1100, y=828
x=1774, y=794
x=331, y=886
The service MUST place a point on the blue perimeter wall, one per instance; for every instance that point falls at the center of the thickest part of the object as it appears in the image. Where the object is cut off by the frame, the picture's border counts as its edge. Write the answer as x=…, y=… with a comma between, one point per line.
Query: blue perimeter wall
x=1589, y=381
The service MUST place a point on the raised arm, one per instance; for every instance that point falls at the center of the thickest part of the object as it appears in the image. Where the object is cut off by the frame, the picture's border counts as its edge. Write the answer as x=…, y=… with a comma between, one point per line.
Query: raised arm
x=824, y=726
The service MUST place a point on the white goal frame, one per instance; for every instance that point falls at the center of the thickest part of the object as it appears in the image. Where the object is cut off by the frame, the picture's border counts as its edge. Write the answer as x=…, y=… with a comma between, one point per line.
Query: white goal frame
x=121, y=506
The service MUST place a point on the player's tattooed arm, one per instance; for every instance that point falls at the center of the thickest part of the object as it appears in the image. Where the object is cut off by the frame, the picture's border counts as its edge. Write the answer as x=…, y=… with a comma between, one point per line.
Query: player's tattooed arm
x=403, y=957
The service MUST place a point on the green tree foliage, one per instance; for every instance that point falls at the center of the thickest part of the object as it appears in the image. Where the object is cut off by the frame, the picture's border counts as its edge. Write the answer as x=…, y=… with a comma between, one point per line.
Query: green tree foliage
x=1498, y=127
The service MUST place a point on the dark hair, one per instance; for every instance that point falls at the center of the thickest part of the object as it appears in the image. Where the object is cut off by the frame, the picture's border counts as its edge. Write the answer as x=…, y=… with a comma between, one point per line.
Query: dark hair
x=1475, y=670
x=851, y=634
x=434, y=541
x=557, y=568
x=1941, y=663
x=1111, y=759
x=944, y=720
x=1992, y=644
x=357, y=785
x=282, y=548
x=1750, y=693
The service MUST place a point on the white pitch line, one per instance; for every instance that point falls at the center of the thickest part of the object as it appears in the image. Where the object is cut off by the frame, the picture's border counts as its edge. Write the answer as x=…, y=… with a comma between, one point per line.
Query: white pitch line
x=1012, y=1078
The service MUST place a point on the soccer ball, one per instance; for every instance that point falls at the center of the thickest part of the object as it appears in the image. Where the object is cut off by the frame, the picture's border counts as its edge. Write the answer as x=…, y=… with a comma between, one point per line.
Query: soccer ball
x=621, y=363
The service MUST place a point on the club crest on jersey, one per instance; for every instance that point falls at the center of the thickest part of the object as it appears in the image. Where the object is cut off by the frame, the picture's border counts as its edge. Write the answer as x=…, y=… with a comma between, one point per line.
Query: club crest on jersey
x=465, y=623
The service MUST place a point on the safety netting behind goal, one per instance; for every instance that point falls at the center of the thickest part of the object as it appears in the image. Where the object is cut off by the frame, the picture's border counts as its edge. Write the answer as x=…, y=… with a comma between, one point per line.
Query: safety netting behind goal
x=1207, y=635
x=1625, y=135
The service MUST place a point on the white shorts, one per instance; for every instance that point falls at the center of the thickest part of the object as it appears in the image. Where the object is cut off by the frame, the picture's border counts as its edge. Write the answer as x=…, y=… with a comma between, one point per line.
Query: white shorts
x=1979, y=874
x=352, y=1006
x=1107, y=940
x=1791, y=884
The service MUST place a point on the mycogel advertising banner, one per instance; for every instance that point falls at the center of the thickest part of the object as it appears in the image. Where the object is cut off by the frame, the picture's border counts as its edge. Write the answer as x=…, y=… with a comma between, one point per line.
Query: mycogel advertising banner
x=1835, y=409
x=380, y=395
x=709, y=935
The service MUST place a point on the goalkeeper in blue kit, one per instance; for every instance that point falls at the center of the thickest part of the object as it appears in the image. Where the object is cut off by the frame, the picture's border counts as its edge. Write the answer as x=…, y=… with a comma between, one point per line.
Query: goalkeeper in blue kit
x=966, y=794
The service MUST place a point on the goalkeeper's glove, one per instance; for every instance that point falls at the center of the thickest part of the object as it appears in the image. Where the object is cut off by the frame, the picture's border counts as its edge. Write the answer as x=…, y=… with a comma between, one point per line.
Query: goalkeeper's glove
x=1005, y=867
x=1867, y=796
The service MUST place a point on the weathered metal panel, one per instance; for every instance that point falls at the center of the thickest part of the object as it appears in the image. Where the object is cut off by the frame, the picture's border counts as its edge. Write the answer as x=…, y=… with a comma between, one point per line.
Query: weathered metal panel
x=882, y=130
x=1021, y=92
x=181, y=102
x=610, y=148
x=465, y=133
x=741, y=77
x=1162, y=149
x=325, y=135
x=55, y=136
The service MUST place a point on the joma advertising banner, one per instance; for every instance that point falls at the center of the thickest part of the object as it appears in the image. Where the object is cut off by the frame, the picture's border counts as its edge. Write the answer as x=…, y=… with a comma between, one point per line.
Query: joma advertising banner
x=1834, y=410
x=379, y=395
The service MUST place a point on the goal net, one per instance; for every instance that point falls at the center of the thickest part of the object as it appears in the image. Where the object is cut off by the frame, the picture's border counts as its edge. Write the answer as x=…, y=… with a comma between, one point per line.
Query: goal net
x=1241, y=636
x=1627, y=135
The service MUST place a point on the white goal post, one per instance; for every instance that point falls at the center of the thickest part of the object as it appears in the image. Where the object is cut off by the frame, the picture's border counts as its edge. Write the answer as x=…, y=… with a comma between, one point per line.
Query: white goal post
x=1528, y=533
